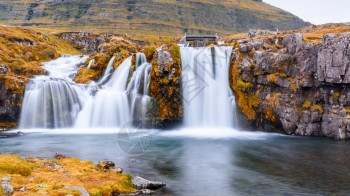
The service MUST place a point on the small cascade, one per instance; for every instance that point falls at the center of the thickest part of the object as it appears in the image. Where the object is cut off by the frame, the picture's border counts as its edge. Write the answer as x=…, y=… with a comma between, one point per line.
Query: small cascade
x=53, y=101
x=208, y=99
x=110, y=106
x=91, y=63
x=138, y=90
x=140, y=59
x=108, y=72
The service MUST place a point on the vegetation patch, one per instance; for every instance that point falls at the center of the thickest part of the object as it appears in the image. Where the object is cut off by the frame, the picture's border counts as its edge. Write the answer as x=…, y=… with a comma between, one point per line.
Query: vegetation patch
x=149, y=52
x=272, y=78
x=23, y=51
x=118, y=47
x=270, y=104
x=318, y=108
x=336, y=96
x=306, y=104
x=165, y=86
x=54, y=175
x=247, y=101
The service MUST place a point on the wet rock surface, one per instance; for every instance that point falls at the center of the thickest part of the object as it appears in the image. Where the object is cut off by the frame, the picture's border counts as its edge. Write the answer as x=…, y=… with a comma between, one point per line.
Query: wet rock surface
x=9, y=106
x=143, y=184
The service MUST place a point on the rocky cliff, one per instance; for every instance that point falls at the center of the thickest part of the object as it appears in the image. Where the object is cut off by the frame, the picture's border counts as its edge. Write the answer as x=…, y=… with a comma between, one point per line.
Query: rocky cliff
x=284, y=83
x=148, y=17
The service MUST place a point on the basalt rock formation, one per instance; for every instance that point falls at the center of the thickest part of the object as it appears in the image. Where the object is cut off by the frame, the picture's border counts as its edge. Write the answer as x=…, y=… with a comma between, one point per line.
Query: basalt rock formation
x=284, y=83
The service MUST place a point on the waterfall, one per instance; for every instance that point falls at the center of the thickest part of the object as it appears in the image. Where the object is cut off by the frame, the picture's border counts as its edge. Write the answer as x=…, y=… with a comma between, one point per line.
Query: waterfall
x=110, y=106
x=140, y=59
x=208, y=99
x=138, y=90
x=91, y=62
x=108, y=72
x=53, y=101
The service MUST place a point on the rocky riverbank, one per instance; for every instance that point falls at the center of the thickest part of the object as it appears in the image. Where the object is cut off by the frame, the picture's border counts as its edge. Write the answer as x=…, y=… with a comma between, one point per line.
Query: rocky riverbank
x=68, y=176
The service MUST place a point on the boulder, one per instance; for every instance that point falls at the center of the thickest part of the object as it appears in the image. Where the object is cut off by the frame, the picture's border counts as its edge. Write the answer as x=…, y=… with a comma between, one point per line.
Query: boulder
x=332, y=126
x=7, y=188
x=82, y=190
x=288, y=117
x=141, y=183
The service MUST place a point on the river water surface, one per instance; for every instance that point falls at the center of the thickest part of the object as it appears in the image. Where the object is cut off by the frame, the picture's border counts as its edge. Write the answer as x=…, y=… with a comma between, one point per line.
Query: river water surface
x=198, y=162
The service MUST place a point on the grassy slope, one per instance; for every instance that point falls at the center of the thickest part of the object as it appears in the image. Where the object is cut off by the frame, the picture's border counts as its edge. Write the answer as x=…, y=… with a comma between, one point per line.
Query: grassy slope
x=152, y=17
x=73, y=172
x=22, y=52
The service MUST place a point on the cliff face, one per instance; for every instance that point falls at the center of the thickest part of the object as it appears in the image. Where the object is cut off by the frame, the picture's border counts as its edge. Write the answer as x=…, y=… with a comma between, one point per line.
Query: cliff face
x=151, y=17
x=284, y=83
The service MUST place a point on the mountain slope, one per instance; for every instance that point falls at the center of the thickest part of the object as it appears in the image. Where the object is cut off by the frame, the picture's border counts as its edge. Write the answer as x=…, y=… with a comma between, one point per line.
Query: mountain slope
x=148, y=17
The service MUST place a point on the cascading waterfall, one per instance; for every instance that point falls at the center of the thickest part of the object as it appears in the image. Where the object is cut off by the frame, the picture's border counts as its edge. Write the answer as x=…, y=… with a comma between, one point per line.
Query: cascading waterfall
x=138, y=90
x=53, y=101
x=91, y=63
x=108, y=72
x=208, y=99
x=140, y=59
x=110, y=106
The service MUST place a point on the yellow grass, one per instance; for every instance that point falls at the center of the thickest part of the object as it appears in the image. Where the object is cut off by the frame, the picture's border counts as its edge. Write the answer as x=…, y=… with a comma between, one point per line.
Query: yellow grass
x=71, y=172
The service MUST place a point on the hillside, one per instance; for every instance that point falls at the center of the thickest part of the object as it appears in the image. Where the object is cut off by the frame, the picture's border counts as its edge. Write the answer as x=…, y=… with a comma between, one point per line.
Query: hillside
x=151, y=17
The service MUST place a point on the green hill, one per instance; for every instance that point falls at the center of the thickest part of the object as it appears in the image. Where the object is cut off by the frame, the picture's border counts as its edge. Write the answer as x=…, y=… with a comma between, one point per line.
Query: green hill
x=148, y=17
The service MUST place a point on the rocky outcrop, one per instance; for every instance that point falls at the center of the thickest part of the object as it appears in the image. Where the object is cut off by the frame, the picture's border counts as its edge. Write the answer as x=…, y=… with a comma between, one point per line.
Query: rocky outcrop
x=334, y=59
x=302, y=88
x=10, y=106
x=165, y=84
x=87, y=42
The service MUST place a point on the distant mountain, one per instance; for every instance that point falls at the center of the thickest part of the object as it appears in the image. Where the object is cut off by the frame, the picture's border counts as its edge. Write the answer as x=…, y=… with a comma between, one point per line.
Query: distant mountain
x=148, y=17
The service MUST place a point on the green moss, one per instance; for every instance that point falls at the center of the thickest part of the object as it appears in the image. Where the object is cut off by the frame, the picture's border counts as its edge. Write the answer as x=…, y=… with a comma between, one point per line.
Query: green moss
x=243, y=85
x=336, y=95
x=175, y=54
x=149, y=52
x=247, y=102
x=283, y=75
x=272, y=78
x=317, y=107
x=165, y=80
x=306, y=104
x=270, y=103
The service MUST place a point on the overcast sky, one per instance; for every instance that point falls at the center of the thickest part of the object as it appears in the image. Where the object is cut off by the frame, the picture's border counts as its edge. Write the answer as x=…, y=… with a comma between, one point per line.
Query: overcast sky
x=316, y=11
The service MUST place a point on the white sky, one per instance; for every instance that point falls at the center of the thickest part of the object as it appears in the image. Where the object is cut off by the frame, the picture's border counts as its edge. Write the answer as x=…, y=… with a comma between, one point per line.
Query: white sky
x=316, y=11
